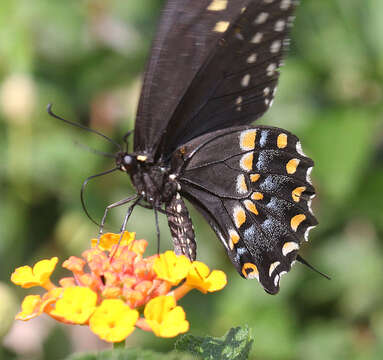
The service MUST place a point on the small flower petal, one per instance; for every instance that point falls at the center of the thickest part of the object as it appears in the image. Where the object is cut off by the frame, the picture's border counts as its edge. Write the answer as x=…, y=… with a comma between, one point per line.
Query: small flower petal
x=201, y=278
x=27, y=277
x=172, y=268
x=113, y=321
x=165, y=318
x=108, y=240
x=30, y=308
x=76, y=305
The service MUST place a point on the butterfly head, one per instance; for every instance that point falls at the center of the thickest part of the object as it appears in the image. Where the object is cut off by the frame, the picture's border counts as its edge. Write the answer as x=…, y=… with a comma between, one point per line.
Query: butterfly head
x=126, y=162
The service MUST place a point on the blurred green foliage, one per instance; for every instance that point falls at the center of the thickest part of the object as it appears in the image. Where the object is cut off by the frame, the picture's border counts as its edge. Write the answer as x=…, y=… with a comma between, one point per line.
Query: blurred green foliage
x=86, y=57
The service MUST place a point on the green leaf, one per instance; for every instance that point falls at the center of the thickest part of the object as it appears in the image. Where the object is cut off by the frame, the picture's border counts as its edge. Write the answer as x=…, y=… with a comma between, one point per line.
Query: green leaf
x=235, y=345
x=130, y=354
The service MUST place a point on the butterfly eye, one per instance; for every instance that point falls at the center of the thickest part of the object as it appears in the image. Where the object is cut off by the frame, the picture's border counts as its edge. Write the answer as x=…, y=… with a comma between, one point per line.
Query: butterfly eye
x=128, y=161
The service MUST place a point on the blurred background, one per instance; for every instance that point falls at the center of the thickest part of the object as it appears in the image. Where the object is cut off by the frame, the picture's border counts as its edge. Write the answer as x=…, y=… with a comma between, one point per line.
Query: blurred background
x=87, y=58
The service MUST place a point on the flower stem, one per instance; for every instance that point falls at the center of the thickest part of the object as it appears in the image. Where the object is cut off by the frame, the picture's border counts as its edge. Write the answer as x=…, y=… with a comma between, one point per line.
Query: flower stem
x=119, y=345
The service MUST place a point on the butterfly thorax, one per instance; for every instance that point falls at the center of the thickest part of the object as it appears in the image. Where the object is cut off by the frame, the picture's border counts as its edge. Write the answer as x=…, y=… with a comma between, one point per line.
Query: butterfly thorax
x=153, y=181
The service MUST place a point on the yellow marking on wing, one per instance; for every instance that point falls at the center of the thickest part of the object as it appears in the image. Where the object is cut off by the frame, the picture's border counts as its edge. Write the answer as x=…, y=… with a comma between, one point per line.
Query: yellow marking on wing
x=247, y=139
x=241, y=184
x=257, y=196
x=289, y=247
x=296, y=220
x=251, y=206
x=250, y=271
x=218, y=5
x=247, y=161
x=239, y=216
x=282, y=141
x=234, y=238
x=221, y=26
x=254, y=177
x=297, y=192
x=291, y=166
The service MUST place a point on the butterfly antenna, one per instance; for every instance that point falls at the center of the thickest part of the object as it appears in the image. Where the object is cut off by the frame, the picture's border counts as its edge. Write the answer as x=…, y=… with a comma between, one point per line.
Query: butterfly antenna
x=126, y=138
x=51, y=113
x=83, y=191
x=94, y=151
x=304, y=262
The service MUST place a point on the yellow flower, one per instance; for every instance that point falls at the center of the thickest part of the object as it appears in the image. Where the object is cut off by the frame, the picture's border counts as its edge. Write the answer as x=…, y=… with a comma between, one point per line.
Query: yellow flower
x=108, y=240
x=27, y=277
x=113, y=320
x=165, y=318
x=172, y=268
x=76, y=305
x=201, y=278
x=30, y=308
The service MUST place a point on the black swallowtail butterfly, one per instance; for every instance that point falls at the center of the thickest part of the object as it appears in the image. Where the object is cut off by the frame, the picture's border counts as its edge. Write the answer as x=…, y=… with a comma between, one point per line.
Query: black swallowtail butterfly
x=213, y=70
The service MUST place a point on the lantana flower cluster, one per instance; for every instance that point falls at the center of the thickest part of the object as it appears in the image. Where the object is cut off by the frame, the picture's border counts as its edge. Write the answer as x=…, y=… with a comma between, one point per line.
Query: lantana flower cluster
x=115, y=289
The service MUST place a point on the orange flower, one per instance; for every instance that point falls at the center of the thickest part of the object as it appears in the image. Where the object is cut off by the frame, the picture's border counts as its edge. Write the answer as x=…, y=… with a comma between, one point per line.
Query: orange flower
x=111, y=283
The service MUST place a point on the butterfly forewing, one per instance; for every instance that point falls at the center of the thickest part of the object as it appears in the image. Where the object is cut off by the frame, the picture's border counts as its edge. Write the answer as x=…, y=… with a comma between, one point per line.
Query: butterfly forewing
x=258, y=194
x=184, y=40
x=237, y=82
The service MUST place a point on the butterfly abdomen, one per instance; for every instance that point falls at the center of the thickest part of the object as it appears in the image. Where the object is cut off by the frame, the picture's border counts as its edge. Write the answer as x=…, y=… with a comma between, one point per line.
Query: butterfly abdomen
x=181, y=227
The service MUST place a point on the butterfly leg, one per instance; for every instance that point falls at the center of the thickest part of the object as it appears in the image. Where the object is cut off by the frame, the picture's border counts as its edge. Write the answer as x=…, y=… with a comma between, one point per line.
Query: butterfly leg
x=111, y=206
x=157, y=230
x=181, y=228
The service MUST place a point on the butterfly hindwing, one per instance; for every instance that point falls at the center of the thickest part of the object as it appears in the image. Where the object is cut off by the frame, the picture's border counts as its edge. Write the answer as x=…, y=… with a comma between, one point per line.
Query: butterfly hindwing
x=256, y=192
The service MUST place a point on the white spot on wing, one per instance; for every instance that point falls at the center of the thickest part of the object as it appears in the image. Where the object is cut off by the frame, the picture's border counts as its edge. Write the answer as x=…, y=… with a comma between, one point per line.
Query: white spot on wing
x=218, y=5
x=276, y=280
x=246, y=80
x=256, y=39
x=273, y=267
x=308, y=175
x=252, y=59
x=299, y=149
x=285, y=4
x=275, y=46
x=271, y=69
x=307, y=232
x=221, y=26
x=280, y=25
x=261, y=18
x=309, y=204
x=289, y=247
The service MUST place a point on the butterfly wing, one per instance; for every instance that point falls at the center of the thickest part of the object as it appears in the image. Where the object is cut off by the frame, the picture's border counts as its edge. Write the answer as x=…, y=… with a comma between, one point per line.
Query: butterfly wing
x=236, y=84
x=184, y=39
x=253, y=186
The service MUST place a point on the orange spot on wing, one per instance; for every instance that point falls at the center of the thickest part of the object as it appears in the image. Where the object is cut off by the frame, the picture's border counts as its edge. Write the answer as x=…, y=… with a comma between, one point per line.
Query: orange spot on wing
x=291, y=166
x=282, y=141
x=296, y=220
x=296, y=193
x=247, y=139
x=250, y=271
x=251, y=206
x=247, y=161
x=234, y=238
x=257, y=196
x=239, y=216
x=254, y=177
